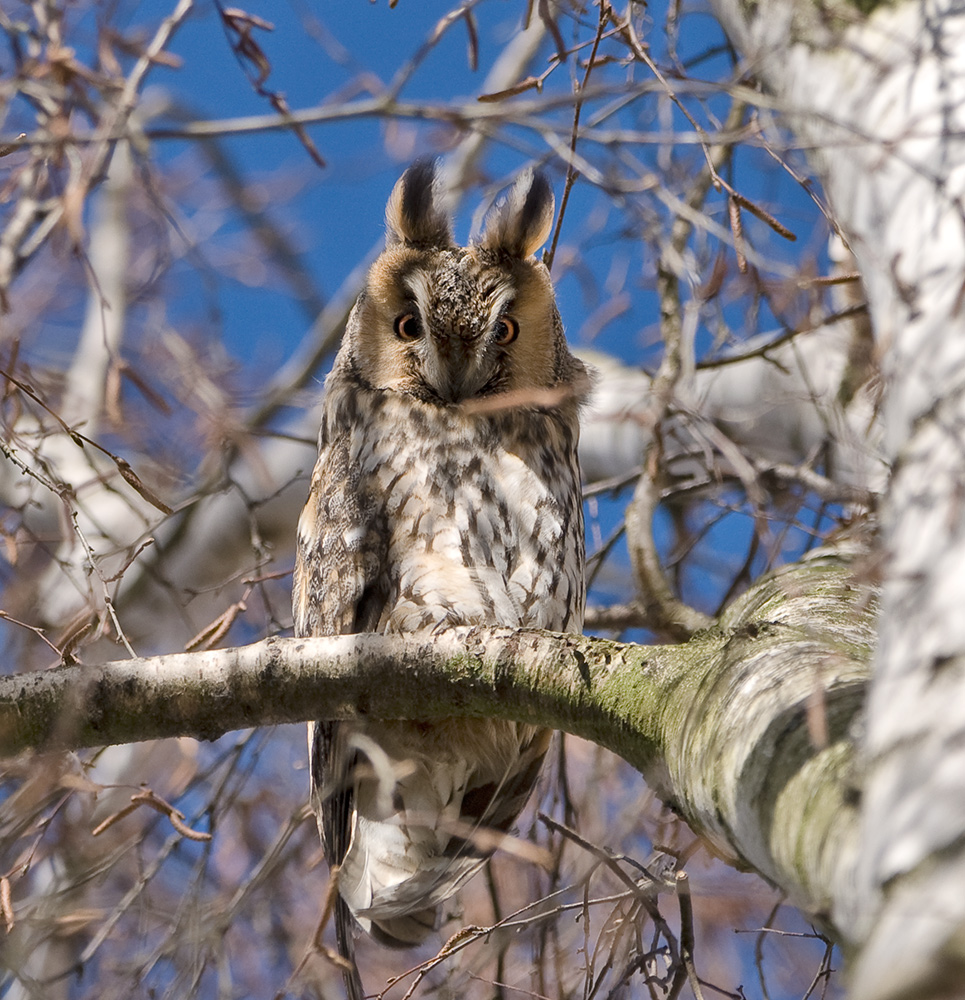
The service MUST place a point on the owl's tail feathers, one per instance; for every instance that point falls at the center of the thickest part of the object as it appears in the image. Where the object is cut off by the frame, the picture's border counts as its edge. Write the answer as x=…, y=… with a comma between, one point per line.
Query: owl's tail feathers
x=395, y=897
x=344, y=937
x=406, y=931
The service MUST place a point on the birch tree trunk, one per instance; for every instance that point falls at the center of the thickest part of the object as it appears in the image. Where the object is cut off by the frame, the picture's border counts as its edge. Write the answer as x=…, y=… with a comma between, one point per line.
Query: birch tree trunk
x=878, y=90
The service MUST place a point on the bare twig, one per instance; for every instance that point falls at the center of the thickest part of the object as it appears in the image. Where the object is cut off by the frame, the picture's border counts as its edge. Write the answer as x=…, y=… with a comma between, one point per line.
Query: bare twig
x=155, y=802
x=240, y=25
x=687, y=932
x=665, y=612
x=571, y=172
x=37, y=631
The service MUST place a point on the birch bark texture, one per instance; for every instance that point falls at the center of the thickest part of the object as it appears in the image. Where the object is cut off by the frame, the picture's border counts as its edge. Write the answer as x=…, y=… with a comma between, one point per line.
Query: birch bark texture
x=877, y=91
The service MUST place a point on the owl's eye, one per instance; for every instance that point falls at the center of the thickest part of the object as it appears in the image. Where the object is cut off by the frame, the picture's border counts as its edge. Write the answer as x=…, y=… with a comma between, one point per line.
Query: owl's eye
x=407, y=327
x=507, y=330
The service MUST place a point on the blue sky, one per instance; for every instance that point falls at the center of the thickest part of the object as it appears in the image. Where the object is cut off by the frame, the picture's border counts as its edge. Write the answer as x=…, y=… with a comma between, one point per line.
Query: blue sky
x=336, y=218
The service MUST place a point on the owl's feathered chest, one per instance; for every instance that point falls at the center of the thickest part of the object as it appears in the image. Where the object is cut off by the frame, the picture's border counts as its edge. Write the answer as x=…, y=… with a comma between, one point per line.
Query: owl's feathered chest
x=476, y=519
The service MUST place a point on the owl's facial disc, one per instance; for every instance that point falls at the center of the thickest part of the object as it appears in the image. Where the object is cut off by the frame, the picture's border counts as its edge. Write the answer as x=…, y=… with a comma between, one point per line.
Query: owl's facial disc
x=454, y=364
x=449, y=326
x=453, y=327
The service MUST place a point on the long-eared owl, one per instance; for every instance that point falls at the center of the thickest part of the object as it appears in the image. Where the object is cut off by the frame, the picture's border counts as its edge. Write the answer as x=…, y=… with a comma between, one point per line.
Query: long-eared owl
x=446, y=492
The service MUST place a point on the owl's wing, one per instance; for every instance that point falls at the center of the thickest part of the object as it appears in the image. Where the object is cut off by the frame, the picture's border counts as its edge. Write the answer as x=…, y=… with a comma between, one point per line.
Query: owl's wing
x=340, y=551
x=337, y=590
x=496, y=805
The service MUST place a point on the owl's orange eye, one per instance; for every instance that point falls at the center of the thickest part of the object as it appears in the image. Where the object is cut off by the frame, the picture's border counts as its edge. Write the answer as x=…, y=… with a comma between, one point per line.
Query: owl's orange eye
x=407, y=327
x=507, y=330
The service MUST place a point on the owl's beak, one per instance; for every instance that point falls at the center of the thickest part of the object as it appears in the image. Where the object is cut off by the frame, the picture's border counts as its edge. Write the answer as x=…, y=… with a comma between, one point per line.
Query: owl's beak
x=456, y=366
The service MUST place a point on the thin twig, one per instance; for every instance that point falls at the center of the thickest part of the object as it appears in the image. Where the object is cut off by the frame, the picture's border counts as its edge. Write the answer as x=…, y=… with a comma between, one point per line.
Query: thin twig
x=155, y=802
x=641, y=53
x=571, y=172
x=765, y=350
x=37, y=631
x=687, y=932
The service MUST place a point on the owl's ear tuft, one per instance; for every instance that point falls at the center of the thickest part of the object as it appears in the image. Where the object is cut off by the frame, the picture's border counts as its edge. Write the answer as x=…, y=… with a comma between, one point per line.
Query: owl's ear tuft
x=519, y=223
x=415, y=214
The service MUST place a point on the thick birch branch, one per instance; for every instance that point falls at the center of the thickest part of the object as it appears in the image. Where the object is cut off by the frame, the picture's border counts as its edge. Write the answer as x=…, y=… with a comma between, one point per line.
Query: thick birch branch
x=744, y=729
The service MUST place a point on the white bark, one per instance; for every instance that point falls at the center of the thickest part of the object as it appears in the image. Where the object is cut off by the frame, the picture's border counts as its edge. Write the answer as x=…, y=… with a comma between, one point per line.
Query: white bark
x=882, y=98
x=781, y=407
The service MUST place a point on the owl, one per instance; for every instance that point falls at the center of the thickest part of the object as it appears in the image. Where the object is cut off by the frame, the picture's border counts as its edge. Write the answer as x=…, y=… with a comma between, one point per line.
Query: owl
x=446, y=492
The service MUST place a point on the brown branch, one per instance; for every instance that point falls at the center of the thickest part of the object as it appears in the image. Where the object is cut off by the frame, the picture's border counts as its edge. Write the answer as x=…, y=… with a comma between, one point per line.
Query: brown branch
x=147, y=798
x=123, y=466
x=665, y=612
x=687, y=933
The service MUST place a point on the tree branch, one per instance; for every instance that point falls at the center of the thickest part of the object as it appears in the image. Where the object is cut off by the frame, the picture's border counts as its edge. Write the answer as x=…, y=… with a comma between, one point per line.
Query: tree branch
x=744, y=728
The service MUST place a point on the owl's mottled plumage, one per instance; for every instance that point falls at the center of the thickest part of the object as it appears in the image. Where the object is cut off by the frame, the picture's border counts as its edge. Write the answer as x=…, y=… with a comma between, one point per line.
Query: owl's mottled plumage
x=446, y=492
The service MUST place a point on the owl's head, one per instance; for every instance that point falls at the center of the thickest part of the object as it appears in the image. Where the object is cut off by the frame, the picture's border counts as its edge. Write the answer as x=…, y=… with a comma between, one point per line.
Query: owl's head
x=451, y=324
